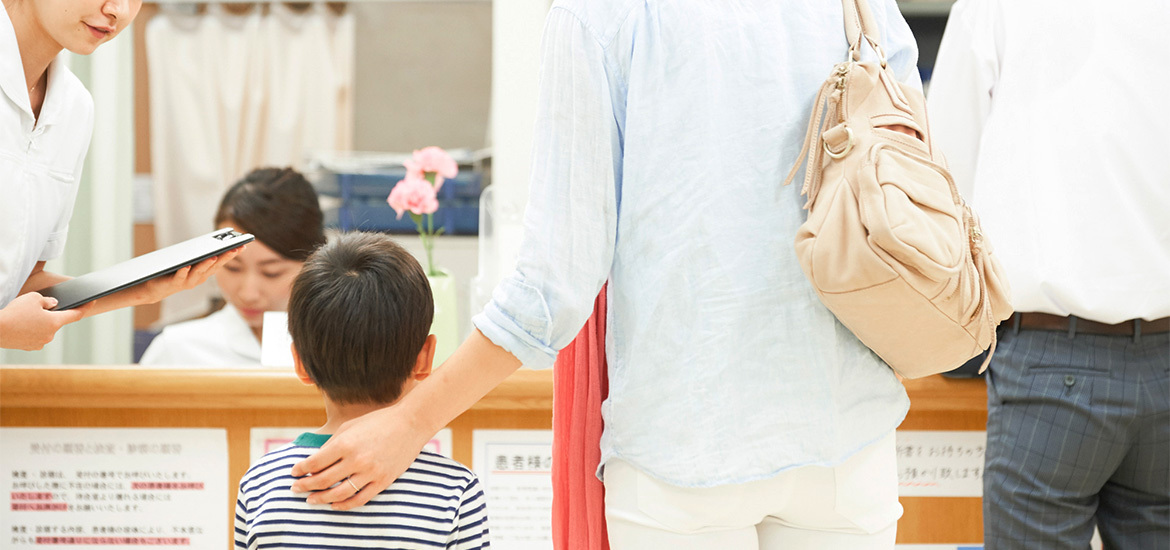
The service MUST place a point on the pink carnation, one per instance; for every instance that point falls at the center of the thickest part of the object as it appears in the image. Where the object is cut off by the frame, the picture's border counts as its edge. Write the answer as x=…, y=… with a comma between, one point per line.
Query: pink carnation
x=432, y=160
x=413, y=194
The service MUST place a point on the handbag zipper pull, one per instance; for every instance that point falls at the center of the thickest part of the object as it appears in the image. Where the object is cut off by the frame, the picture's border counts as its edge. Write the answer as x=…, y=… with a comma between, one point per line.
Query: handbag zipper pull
x=842, y=73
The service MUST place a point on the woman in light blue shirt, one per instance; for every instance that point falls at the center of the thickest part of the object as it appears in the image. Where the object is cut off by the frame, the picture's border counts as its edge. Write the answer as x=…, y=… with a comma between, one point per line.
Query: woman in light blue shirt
x=738, y=408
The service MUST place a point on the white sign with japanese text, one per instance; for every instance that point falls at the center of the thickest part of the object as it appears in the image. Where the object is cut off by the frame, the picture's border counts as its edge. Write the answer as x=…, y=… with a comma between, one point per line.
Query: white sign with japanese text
x=276, y=344
x=940, y=464
x=265, y=440
x=98, y=488
x=515, y=467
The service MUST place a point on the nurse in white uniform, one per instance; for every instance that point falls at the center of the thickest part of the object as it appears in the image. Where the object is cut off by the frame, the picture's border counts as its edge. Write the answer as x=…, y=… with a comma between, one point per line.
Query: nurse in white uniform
x=280, y=208
x=46, y=121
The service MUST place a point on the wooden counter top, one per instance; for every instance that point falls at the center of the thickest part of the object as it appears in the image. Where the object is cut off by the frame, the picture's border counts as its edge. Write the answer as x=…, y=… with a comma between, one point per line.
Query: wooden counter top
x=155, y=388
x=938, y=393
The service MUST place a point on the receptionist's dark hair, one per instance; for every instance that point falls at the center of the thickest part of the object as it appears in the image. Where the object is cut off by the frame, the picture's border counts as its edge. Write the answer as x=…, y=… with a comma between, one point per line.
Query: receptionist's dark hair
x=279, y=207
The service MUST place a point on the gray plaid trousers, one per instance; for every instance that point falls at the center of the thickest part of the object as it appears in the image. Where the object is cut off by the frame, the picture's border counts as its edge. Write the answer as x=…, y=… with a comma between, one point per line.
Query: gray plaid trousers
x=1078, y=434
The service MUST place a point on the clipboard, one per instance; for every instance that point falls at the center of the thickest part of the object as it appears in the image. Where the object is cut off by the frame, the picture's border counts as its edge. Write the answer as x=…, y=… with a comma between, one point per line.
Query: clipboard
x=164, y=261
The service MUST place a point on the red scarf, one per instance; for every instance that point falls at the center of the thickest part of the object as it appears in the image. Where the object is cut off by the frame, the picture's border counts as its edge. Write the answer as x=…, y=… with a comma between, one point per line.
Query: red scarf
x=581, y=383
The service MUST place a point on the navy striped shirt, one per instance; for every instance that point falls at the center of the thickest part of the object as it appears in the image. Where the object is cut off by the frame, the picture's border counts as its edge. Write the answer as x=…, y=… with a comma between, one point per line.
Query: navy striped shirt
x=436, y=503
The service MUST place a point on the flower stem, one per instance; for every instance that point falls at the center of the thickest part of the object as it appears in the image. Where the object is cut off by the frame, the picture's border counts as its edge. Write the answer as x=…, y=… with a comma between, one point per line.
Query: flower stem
x=426, y=235
x=429, y=243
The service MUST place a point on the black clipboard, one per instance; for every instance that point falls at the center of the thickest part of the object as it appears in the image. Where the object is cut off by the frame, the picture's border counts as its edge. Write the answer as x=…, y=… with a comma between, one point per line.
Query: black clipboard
x=164, y=261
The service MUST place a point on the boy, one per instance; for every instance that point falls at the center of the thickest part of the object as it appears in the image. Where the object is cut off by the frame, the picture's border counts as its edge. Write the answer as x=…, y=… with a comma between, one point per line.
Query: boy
x=359, y=316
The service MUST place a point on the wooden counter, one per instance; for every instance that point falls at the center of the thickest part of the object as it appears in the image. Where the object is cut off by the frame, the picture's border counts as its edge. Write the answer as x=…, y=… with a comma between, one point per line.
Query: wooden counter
x=938, y=403
x=238, y=400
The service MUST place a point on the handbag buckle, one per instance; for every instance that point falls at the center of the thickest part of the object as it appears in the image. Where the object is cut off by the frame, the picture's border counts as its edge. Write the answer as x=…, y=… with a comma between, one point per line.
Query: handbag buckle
x=845, y=151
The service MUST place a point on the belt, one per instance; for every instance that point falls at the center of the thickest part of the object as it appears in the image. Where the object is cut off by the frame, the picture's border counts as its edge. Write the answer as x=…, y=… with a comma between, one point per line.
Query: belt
x=1072, y=325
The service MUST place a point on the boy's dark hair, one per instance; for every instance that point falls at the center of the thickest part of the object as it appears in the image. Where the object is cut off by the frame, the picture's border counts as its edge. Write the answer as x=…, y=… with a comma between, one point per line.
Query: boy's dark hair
x=279, y=206
x=360, y=311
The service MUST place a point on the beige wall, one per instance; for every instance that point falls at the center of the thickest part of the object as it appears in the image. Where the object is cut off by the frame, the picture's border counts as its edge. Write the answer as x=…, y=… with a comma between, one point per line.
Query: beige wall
x=423, y=75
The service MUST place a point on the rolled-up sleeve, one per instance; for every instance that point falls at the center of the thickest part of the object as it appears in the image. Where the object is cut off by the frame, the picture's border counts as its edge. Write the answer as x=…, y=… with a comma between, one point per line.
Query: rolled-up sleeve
x=570, y=225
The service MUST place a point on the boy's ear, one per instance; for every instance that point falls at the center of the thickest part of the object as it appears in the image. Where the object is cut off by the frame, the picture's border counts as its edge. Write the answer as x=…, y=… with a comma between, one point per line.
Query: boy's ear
x=425, y=361
x=299, y=367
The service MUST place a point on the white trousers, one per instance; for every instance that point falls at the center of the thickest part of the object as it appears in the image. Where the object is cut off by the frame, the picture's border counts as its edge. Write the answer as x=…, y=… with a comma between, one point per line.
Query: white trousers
x=851, y=506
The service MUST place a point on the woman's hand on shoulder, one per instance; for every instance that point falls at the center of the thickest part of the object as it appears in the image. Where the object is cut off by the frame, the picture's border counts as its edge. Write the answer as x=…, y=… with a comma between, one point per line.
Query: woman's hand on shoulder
x=28, y=322
x=368, y=453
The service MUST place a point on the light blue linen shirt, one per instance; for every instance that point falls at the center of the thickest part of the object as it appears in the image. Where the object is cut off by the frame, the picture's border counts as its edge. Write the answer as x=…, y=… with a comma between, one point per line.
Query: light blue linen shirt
x=664, y=132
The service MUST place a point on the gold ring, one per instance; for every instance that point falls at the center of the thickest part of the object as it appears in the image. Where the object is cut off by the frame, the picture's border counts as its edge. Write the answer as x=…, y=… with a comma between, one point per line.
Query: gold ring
x=355, y=487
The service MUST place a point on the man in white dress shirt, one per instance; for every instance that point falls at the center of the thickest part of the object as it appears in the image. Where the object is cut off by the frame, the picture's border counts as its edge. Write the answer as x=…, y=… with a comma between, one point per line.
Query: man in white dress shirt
x=1055, y=125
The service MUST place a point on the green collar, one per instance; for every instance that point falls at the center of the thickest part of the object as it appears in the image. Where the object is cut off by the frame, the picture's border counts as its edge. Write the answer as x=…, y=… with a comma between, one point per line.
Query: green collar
x=311, y=440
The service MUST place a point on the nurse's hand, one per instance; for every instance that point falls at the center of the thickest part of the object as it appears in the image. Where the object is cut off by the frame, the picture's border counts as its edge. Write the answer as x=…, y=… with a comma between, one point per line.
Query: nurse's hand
x=186, y=278
x=155, y=290
x=27, y=323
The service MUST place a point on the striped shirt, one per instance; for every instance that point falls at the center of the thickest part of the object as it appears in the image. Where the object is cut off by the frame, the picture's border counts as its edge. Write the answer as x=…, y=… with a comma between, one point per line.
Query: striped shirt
x=436, y=503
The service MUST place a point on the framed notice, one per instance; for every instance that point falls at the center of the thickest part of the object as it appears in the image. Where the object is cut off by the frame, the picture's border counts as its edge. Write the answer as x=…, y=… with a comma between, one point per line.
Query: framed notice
x=515, y=467
x=100, y=488
x=940, y=464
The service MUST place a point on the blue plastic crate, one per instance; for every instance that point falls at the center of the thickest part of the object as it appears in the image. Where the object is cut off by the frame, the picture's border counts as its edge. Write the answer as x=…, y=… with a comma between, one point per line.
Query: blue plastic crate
x=462, y=217
x=363, y=204
x=373, y=217
x=459, y=216
x=355, y=186
x=466, y=185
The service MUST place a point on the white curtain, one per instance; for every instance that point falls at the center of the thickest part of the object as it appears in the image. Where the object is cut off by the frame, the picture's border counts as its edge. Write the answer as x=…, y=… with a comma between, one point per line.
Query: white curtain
x=232, y=92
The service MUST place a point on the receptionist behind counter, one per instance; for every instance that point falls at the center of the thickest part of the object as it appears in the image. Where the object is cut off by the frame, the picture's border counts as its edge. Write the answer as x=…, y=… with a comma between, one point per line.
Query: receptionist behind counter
x=280, y=208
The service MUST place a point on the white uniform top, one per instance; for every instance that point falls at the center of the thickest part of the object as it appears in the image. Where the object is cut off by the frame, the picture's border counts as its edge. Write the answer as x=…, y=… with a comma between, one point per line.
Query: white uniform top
x=40, y=163
x=221, y=339
x=1055, y=126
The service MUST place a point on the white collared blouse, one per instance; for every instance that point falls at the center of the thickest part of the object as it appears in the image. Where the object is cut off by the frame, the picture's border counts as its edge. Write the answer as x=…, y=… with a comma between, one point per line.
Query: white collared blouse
x=40, y=163
x=221, y=339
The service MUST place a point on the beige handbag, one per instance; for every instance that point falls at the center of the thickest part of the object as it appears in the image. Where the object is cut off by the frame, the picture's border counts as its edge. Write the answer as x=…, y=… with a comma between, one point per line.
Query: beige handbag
x=889, y=245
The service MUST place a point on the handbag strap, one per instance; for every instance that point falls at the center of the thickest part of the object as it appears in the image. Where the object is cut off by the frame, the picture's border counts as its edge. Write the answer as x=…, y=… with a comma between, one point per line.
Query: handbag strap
x=859, y=23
